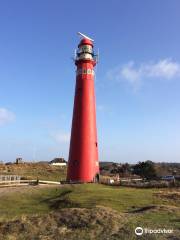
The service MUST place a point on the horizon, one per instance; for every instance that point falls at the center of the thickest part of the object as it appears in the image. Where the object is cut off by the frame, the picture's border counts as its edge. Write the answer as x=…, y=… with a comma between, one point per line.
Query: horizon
x=137, y=78
x=66, y=160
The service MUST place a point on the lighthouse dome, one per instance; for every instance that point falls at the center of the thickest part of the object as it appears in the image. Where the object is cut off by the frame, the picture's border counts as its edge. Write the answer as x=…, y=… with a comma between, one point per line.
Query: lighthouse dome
x=85, y=41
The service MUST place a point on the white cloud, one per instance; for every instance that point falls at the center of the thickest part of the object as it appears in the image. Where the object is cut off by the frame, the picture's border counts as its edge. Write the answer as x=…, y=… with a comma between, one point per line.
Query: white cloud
x=6, y=116
x=61, y=137
x=130, y=73
x=164, y=69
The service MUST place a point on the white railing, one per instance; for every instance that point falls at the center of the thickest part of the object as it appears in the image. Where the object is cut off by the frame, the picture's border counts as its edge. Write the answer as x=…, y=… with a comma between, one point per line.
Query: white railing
x=9, y=180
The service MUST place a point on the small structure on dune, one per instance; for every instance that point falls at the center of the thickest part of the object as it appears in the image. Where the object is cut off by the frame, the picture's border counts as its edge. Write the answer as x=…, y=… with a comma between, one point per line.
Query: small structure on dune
x=58, y=162
x=19, y=160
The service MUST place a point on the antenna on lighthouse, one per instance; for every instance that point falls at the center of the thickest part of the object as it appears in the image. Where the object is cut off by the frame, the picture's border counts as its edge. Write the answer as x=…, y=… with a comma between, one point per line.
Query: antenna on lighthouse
x=98, y=55
x=83, y=35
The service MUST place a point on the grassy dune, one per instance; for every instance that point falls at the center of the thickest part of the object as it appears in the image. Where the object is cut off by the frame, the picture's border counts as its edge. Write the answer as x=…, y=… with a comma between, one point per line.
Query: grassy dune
x=34, y=171
x=86, y=212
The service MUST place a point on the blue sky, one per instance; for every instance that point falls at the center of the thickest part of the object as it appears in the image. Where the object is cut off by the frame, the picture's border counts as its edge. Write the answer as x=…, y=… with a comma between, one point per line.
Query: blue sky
x=137, y=78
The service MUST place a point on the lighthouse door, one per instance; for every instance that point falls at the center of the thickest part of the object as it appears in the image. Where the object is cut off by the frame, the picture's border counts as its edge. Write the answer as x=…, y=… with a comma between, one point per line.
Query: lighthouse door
x=96, y=178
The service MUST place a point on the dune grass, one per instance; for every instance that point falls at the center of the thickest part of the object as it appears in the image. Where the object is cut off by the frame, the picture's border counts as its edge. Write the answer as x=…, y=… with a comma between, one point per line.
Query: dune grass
x=134, y=203
x=35, y=170
x=37, y=199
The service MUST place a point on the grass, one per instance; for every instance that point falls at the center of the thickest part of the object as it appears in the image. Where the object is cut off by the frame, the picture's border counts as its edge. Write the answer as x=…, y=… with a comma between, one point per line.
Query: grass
x=120, y=199
x=14, y=204
x=130, y=202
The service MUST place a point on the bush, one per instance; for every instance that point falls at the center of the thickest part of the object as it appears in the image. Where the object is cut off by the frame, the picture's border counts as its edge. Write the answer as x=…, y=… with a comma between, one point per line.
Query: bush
x=145, y=169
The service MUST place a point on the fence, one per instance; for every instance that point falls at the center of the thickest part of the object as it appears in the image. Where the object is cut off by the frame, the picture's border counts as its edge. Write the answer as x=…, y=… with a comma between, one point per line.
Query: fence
x=9, y=179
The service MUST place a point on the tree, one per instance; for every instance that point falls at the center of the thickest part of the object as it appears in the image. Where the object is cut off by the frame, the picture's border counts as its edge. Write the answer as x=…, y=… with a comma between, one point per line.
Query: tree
x=122, y=170
x=145, y=169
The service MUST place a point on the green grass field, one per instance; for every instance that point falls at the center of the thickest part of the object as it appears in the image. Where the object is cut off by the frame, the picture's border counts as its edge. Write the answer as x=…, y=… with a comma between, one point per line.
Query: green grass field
x=137, y=207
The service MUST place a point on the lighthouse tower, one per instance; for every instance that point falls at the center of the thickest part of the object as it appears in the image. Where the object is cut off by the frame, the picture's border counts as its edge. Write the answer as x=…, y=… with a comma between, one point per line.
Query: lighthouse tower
x=83, y=164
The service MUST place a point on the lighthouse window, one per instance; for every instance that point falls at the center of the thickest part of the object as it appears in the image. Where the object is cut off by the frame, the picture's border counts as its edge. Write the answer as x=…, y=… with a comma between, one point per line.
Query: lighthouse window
x=85, y=71
x=75, y=162
x=86, y=48
x=79, y=89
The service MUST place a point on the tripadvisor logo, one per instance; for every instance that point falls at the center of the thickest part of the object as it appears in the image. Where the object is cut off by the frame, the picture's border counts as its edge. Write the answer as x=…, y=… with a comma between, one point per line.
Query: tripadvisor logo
x=139, y=231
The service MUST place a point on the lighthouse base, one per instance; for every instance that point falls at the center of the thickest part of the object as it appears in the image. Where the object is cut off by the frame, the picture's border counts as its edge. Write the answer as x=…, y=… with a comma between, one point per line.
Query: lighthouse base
x=95, y=180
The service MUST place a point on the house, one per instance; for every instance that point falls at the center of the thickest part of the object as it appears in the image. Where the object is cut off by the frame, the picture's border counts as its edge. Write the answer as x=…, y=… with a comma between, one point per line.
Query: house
x=58, y=162
x=19, y=160
x=168, y=178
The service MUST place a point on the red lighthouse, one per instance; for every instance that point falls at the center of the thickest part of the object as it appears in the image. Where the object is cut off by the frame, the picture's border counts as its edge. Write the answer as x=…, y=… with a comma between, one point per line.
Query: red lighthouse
x=83, y=164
